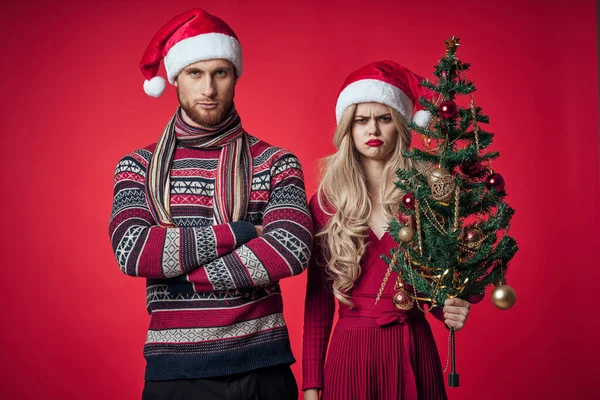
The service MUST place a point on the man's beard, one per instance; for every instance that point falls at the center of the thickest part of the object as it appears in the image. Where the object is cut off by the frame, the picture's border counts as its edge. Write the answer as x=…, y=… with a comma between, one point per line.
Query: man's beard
x=208, y=117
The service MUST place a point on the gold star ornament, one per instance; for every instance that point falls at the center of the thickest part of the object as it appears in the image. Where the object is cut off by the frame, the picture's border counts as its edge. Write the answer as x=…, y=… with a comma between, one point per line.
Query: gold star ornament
x=452, y=44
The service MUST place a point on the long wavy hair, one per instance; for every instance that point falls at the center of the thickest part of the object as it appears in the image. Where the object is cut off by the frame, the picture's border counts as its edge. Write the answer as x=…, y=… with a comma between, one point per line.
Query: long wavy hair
x=343, y=191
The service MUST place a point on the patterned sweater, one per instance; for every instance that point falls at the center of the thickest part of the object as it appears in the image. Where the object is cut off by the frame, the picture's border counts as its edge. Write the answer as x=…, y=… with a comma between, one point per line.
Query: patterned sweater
x=212, y=290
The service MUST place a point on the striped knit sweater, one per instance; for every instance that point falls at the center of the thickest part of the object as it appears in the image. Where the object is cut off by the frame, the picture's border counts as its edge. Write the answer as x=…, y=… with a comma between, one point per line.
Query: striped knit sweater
x=212, y=290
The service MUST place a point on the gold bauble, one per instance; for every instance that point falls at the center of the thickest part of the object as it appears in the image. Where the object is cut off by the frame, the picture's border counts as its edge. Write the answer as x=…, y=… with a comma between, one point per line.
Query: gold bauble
x=402, y=300
x=473, y=238
x=504, y=297
x=442, y=184
x=406, y=234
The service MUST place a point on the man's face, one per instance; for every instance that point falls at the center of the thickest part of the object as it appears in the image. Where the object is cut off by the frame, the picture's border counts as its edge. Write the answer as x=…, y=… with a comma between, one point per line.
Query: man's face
x=205, y=90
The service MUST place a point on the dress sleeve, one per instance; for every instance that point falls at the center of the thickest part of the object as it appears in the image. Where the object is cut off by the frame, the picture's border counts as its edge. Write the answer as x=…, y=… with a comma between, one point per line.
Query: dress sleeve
x=319, y=308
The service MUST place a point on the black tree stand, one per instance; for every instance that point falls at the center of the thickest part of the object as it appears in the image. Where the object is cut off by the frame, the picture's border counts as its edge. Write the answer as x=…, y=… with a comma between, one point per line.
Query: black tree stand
x=453, y=376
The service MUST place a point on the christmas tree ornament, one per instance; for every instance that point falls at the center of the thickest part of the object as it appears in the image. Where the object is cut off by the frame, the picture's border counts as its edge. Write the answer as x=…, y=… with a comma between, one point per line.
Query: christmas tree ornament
x=504, y=297
x=471, y=168
x=495, y=181
x=419, y=230
x=405, y=219
x=387, y=276
x=473, y=237
x=430, y=144
x=441, y=221
x=427, y=142
x=475, y=124
x=456, y=207
x=406, y=234
x=415, y=263
x=451, y=45
x=402, y=300
x=442, y=184
x=408, y=200
x=448, y=110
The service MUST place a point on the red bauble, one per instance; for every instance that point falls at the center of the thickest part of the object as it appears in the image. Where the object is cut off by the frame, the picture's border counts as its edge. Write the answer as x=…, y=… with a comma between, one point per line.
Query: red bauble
x=448, y=110
x=471, y=168
x=405, y=219
x=495, y=181
x=402, y=300
x=473, y=234
x=409, y=200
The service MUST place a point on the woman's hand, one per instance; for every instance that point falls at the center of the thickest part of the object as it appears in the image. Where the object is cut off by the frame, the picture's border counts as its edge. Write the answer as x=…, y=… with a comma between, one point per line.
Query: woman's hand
x=311, y=394
x=456, y=312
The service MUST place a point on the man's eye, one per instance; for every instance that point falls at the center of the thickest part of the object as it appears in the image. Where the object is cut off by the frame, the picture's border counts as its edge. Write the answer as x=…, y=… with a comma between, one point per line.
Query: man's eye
x=360, y=121
x=385, y=119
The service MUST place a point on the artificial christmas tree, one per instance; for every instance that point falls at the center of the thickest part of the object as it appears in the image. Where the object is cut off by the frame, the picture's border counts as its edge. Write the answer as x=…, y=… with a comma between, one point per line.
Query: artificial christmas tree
x=452, y=231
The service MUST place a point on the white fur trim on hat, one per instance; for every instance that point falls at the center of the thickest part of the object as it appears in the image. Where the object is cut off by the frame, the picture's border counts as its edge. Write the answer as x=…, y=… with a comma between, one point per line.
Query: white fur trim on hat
x=422, y=118
x=208, y=46
x=373, y=90
x=155, y=86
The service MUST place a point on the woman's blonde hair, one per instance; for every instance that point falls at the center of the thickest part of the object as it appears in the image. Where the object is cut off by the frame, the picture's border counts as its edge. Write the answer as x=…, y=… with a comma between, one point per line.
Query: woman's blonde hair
x=343, y=189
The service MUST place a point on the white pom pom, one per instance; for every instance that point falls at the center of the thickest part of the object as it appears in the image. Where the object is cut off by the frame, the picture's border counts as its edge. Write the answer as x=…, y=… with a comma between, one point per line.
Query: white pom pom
x=155, y=86
x=422, y=118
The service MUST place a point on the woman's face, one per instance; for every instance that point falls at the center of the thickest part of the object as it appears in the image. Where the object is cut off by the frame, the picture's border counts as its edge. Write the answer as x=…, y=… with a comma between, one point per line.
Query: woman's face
x=373, y=131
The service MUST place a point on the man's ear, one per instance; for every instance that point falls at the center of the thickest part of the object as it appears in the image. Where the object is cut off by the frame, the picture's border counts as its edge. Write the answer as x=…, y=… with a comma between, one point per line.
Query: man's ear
x=175, y=82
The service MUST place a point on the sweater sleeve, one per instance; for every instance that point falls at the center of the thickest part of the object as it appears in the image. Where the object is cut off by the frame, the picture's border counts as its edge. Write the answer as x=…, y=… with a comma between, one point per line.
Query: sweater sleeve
x=319, y=309
x=144, y=249
x=282, y=251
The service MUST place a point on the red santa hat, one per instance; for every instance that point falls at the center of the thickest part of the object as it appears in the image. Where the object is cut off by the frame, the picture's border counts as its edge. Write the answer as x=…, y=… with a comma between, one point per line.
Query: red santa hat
x=388, y=83
x=188, y=38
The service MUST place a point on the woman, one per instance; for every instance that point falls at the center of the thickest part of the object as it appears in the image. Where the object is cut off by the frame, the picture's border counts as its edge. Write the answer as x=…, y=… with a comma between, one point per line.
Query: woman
x=377, y=352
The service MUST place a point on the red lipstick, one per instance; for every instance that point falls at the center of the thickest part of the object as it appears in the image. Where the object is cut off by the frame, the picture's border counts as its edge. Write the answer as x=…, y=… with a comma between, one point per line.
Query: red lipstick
x=374, y=143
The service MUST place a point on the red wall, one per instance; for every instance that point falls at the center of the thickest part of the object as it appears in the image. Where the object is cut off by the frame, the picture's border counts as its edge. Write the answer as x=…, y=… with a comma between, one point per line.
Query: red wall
x=73, y=104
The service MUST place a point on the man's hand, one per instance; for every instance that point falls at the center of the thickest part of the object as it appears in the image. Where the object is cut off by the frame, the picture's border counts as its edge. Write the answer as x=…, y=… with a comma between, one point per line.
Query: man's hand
x=311, y=394
x=456, y=312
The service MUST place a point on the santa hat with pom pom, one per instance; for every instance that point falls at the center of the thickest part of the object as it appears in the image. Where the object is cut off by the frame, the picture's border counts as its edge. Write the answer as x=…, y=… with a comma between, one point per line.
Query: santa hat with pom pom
x=188, y=38
x=388, y=83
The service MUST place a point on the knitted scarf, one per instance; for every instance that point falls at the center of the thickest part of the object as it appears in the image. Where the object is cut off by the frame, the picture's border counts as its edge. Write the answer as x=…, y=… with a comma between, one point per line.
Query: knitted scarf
x=234, y=170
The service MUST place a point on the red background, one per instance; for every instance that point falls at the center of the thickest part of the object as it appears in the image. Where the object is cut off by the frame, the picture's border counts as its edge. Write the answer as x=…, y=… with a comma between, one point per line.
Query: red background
x=73, y=104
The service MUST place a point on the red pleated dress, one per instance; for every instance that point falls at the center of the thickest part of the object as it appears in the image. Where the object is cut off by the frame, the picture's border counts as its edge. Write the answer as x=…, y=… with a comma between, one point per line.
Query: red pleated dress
x=376, y=352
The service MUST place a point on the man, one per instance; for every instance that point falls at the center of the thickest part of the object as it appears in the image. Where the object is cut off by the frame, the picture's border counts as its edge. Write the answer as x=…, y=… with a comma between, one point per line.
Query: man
x=213, y=218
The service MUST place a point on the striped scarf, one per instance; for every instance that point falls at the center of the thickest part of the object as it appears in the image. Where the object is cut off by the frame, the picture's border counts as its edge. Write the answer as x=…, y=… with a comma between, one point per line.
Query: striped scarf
x=232, y=187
